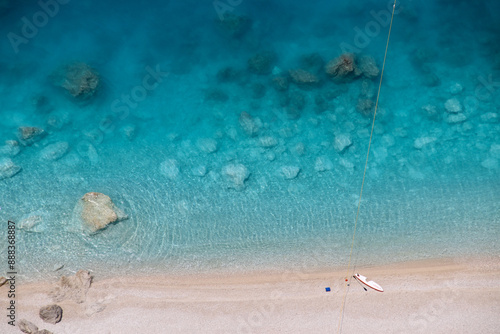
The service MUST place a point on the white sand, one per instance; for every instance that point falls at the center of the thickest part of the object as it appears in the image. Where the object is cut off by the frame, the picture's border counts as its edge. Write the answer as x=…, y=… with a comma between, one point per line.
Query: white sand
x=438, y=296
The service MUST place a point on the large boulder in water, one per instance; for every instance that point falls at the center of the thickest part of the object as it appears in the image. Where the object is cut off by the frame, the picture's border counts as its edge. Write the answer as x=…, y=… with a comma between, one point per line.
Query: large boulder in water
x=79, y=79
x=96, y=211
x=343, y=66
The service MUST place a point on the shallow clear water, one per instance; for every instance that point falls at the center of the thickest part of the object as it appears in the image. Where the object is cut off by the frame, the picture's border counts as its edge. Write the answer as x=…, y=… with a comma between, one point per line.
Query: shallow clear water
x=433, y=181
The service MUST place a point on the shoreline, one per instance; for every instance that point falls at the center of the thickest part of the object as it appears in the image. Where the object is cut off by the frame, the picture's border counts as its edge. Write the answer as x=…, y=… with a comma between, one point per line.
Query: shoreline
x=435, y=296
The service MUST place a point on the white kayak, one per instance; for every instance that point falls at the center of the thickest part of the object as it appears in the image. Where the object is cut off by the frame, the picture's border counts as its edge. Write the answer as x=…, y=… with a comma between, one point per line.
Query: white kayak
x=370, y=284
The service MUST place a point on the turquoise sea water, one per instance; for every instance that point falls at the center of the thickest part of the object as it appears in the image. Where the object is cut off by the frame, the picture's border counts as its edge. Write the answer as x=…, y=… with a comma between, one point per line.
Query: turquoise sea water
x=209, y=188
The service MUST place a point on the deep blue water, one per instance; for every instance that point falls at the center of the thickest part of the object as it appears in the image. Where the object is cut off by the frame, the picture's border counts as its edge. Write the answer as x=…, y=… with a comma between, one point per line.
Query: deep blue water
x=164, y=127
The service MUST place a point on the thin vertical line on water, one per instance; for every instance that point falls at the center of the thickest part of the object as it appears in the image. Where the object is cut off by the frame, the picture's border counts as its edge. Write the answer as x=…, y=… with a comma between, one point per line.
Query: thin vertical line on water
x=347, y=279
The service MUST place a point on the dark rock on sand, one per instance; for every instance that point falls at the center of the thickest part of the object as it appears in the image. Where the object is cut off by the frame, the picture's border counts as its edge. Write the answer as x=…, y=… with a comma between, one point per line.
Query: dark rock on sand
x=51, y=313
x=27, y=327
x=72, y=287
x=3, y=280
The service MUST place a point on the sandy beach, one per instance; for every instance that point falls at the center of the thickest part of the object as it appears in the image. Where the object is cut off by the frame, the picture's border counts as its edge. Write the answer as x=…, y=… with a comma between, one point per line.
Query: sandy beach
x=431, y=296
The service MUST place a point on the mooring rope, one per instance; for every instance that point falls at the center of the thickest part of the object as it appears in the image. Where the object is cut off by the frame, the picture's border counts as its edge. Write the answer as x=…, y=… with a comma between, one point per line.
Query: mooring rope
x=348, y=277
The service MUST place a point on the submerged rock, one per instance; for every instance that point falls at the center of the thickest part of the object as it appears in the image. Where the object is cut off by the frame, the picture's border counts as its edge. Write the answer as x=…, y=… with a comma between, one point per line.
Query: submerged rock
x=207, y=145
x=323, y=164
x=341, y=142
x=58, y=119
x=456, y=88
x=303, y=78
x=29, y=135
x=419, y=143
x=35, y=221
x=96, y=211
x=289, y=172
x=280, y=83
x=296, y=105
x=236, y=174
x=80, y=80
x=368, y=67
x=300, y=149
x=495, y=151
x=72, y=287
x=430, y=111
x=453, y=106
x=271, y=156
x=346, y=163
x=349, y=66
x=170, y=168
x=490, y=163
x=456, y=118
x=342, y=67
x=365, y=106
x=128, y=132
x=430, y=78
x=267, y=141
x=27, y=327
x=262, y=63
x=54, y=151
x=199, y=171
x=10, y=148
x=8, y=168
x=490, y=117
x=249, y=125
x=51, y=313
